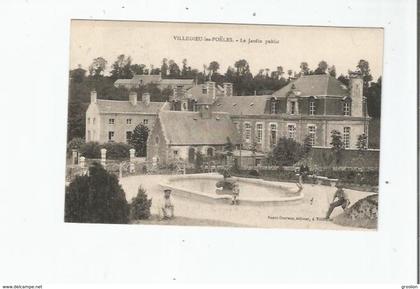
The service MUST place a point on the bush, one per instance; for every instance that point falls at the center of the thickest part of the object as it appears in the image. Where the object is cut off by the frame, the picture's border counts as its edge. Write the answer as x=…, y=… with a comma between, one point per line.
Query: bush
x=91, y=150
x=117, y=151
x=139, y=140
x=286, y=153
x=254, y=173
x=76, y=143
x=140, y=206
x=96, y=198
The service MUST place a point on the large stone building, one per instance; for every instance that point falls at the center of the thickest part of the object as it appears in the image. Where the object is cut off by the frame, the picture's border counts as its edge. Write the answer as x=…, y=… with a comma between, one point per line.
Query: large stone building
x=312, y=105
x=201, y=117
x=115, y=120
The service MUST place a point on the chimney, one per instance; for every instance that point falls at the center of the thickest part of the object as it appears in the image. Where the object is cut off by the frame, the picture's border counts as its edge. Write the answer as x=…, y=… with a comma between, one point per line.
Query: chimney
x=146, y=98
x=228, y=88
x=133, y=97
x=93, y=96
x=356, y=94
x=211, y=88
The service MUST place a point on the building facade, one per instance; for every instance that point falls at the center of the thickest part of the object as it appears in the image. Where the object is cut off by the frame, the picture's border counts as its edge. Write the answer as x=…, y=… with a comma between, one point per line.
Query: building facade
x=112, y=120
x=203, y=117
x=311, y=106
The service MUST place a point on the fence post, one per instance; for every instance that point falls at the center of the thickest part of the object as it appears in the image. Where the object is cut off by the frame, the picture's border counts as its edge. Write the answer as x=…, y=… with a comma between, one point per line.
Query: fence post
x=82, y=162
x=74, y=156
x=103, y=157
x=132, y=155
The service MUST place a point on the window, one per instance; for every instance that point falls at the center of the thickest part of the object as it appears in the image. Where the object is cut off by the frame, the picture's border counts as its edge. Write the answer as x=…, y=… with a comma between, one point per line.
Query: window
x=93, y=135
x=312, y=107
x=346, y=137
x=111, y=121
x=210, y=152
x=93, y=121
x=311, y=133
x=157, y=140
x=247, y=132
x=128, y=120
x=110, y=136
x=88, y=120
x=88, y=136
x=204, y=90
x=259, y=128
x=273, y=107
x=273, y=134
x=291, y=131
x=128, y=135
x=175, y=153
x=347, y=108
x=145, y=121
x=293, y=107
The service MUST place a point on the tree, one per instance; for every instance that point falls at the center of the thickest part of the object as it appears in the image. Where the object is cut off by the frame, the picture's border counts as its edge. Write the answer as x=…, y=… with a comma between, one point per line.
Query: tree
x=373, y=96
x=286, y=152
x=164, y=68
x=304, y=68
x=138, y=69
x=140, y=205
x=185, y=68
x=307, y=144
x=121, y=68
x=174, y=70
x=337, y=144
x=332, y=71
x=139, y=140
x=75, y=144
x=253, y=149
x=289, y=73
x=78, y=75
x=322, y=67
x=98, y=66
x=213, y=67
x=242, y=67
x=362, y=142
x=364, y=70
x=96, y=198
x=344, y=79
x=198, y=161
x=280, y=71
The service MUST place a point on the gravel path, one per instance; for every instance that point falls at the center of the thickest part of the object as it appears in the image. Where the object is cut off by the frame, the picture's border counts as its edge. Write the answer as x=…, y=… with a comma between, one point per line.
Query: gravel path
x=303, y=215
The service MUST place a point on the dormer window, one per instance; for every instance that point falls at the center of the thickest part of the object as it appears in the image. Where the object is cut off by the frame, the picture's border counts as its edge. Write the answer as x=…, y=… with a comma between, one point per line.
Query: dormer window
x=293, y=107
x=273, y=107
x=204, y=90
x=312, y=106
x=347, y=107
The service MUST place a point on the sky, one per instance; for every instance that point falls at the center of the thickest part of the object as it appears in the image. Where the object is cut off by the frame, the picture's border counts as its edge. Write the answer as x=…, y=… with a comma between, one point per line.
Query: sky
x=149, y=42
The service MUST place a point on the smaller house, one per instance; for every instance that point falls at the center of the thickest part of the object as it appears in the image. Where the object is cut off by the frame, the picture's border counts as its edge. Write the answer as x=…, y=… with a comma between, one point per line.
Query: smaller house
x=162, y=83
x=181, y=134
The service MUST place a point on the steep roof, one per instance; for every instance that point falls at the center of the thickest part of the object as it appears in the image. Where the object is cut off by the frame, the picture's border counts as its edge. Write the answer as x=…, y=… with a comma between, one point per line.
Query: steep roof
x=189, y=128
x=139, y=79
x=314, y=85
x=244, y=104
x=196, y=92
x=124, y=106
x=173, y=81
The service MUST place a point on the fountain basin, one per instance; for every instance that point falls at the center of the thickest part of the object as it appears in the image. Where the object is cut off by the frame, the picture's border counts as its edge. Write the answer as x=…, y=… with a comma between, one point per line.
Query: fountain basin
x=202, y=187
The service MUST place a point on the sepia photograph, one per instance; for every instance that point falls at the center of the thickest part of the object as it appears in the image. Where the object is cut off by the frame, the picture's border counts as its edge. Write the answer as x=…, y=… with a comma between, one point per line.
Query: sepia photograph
x=199, y=124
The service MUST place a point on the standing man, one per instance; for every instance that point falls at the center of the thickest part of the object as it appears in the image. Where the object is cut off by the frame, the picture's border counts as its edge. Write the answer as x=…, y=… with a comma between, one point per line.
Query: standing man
x=342, y=200
x=166, y=208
